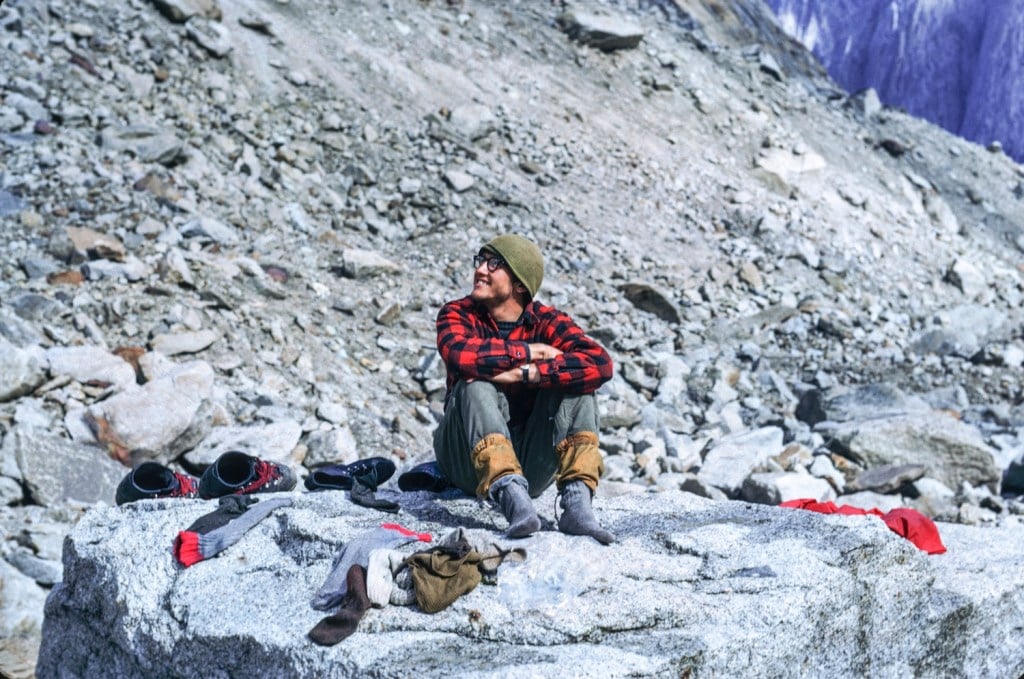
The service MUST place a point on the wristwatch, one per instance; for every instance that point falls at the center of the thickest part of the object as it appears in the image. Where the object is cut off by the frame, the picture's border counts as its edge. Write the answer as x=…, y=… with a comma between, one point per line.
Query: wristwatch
x=526, y=372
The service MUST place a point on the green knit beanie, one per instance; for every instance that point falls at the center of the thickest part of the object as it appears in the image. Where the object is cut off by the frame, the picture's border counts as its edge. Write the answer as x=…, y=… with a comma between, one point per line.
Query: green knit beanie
x=523, y=259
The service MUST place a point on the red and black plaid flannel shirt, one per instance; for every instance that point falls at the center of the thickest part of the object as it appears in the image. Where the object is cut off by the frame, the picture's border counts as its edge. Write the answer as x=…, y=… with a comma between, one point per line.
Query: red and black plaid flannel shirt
x=472, y=348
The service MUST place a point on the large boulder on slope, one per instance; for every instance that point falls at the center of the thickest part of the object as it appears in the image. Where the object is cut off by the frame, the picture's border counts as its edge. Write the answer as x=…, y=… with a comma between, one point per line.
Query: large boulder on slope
x=950, y=451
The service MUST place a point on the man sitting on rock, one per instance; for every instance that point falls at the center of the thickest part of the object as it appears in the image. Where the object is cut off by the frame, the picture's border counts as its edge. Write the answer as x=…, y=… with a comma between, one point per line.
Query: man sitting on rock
x=520, y=410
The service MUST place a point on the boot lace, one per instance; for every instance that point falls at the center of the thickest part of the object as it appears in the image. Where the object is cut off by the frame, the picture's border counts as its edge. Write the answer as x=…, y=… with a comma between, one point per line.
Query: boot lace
x=266, y=475
x=187, y=486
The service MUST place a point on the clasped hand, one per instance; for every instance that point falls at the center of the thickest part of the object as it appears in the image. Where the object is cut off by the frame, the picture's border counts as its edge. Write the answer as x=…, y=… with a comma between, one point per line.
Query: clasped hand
x=538, y=352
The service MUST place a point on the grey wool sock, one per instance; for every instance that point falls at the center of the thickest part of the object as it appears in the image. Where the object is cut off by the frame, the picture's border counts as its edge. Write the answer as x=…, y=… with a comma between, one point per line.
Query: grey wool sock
x=229, y=507
x=191, y=546
x=578, y=516
x=511, y=493
x=357, y=551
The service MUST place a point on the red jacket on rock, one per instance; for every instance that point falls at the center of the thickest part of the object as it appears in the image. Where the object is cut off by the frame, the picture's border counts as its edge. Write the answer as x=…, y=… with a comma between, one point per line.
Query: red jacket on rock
x=905, y=522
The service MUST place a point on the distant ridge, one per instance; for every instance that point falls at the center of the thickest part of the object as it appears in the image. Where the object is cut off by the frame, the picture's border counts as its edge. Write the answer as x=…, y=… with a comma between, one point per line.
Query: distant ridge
x=957, y=64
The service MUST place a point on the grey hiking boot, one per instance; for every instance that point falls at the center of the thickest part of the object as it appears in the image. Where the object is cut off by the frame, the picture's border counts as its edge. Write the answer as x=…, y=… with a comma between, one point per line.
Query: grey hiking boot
x=578, y=516
x=512, y=496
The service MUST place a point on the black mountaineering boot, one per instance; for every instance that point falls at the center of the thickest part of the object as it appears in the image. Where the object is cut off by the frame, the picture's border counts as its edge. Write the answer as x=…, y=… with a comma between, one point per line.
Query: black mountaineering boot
x=152, y=480
x=235, y=473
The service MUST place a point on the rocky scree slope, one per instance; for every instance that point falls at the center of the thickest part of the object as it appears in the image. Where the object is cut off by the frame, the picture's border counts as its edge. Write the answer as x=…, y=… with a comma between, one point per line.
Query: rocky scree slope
x=231, y=227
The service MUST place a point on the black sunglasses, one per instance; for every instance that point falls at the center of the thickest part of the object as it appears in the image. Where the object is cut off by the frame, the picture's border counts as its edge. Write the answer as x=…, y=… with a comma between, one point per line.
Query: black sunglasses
x=493, y=262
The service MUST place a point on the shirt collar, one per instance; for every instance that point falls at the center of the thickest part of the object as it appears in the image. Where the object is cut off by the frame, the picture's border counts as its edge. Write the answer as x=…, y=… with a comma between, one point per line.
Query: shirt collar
x=528, y=317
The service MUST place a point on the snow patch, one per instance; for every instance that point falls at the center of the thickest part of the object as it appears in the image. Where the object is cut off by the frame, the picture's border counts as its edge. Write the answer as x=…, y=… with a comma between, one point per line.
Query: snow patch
x=810, y=37
x=806, y=36
x=787, y=20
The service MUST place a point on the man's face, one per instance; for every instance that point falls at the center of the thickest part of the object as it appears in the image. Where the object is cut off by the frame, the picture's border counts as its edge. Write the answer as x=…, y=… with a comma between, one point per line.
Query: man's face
x=492, y=283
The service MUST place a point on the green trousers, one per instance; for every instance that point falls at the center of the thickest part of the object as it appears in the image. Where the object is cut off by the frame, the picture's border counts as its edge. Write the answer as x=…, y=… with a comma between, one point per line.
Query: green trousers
x=477, y=409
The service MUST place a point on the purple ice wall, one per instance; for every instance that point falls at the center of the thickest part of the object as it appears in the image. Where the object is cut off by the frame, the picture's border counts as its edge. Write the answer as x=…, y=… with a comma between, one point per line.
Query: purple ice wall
x=957, y=63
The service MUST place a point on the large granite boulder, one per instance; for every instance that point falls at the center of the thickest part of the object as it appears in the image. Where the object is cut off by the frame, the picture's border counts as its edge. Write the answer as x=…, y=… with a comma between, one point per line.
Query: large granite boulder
x=692, y=587
x=950, y=450
x=55, y=470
